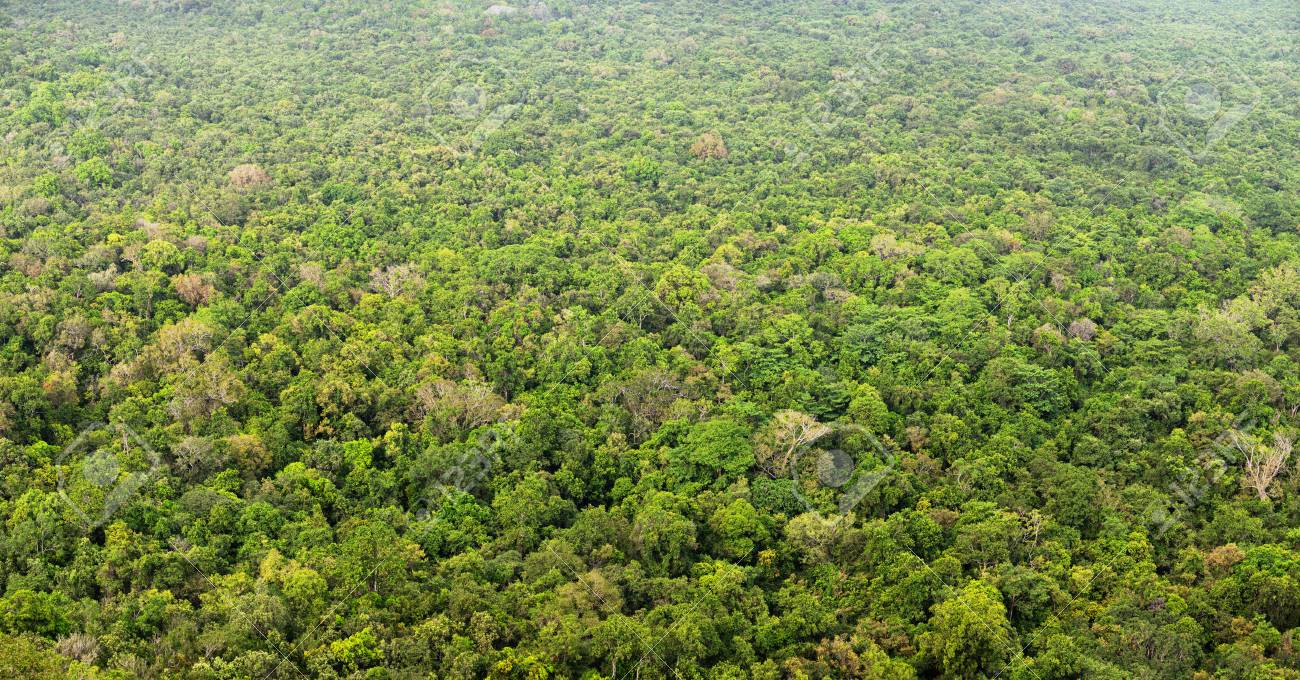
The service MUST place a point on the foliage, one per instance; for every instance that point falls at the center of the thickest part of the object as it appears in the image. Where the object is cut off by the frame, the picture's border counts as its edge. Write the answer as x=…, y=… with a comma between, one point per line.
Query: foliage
x=854, y=339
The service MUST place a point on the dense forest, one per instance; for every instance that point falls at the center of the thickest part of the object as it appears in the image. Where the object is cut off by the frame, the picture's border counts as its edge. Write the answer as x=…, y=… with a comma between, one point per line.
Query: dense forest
x=625, y=340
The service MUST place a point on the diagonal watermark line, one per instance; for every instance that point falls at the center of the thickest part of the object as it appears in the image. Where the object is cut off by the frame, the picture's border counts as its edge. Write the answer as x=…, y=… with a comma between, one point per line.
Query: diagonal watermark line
x=680, y=620
x=1097, y=569
x=176, y=547
x=934, y=367
x=1087, y=584
x=306, y=637
x=601, y=600
x=1034, y=636
x=1056, y=320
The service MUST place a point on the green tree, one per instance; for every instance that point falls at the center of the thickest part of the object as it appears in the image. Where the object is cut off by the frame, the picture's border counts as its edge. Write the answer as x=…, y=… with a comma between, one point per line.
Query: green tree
x=969, y=635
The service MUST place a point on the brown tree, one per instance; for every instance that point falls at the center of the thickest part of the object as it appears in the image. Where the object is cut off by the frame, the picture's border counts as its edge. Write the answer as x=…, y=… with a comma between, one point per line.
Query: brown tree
x=1083, y=329
x=248, y=176
x=395, y=280
x=193, y=289
x=786, y=434
x=709, y=145
x=1263, y=462
x=457, y=407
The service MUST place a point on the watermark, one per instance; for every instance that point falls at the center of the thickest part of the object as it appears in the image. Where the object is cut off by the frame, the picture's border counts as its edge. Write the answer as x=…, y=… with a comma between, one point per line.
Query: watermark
x=1210, y=205
x=1228, y=451
x=460, y=94
x=1202, y=102
x=464, y=474
x=837, y=464
x=103, y=469
x=930, y=199
x=843, y=98
x=86, y=139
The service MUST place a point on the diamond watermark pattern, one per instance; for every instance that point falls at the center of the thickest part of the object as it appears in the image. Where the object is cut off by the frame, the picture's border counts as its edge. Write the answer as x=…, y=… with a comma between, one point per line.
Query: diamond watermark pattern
x=838, y=464
x=459, y=88
x=103, y=469
x=1202, y=102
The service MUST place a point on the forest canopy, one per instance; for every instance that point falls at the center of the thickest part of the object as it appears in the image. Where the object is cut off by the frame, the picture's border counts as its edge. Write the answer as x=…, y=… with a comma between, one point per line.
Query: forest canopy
x=772, y=340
